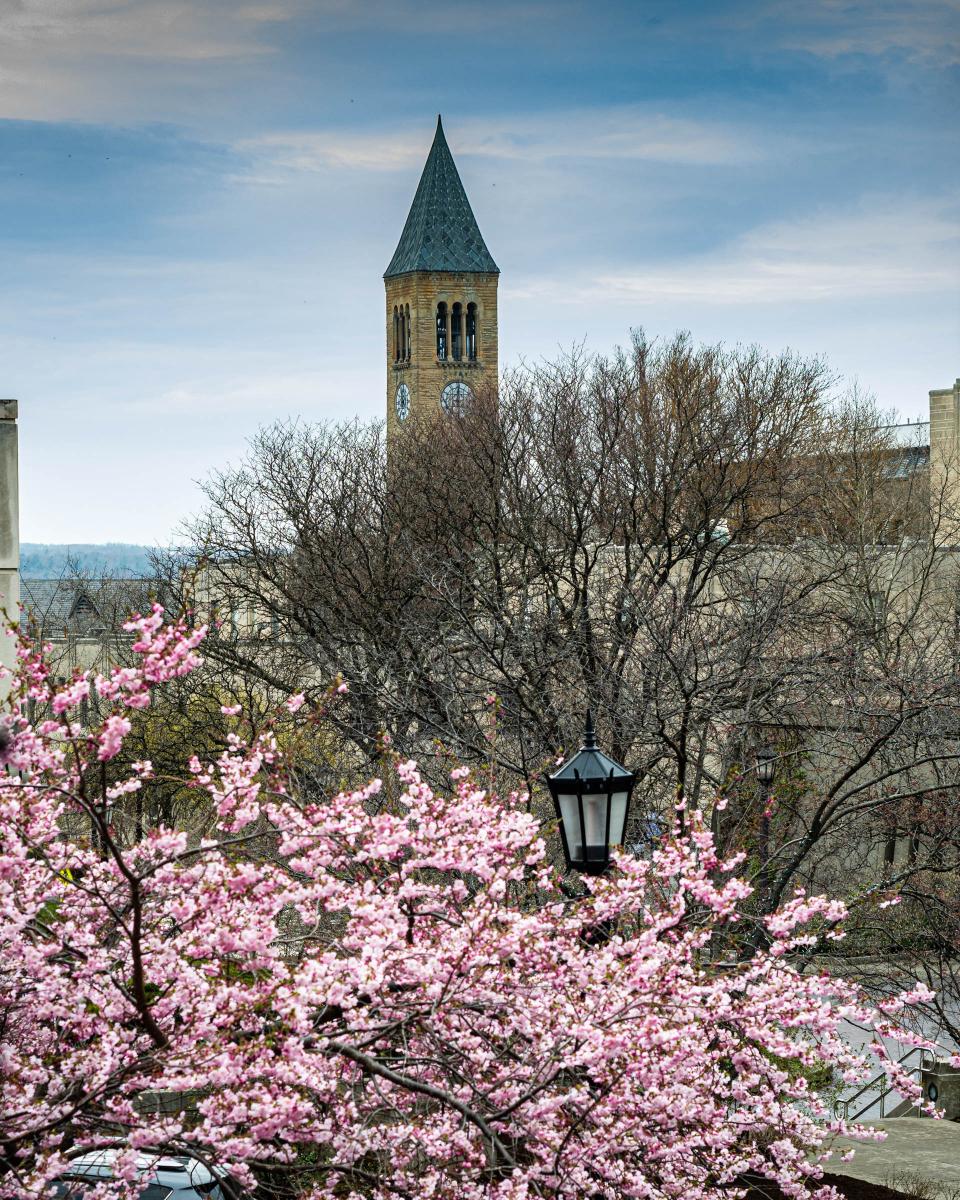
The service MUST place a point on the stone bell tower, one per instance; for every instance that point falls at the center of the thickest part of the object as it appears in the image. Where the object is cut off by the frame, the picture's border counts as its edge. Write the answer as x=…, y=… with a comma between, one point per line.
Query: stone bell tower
x=441, y=288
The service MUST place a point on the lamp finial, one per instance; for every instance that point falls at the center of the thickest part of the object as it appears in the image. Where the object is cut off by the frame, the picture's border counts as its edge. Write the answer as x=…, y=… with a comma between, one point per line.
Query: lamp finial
x=589, y=733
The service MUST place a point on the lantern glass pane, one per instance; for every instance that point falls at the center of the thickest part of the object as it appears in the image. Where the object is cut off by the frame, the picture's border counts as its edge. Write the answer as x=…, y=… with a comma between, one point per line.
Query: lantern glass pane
x=618, y=817
x=570, y=816
x=595, y=820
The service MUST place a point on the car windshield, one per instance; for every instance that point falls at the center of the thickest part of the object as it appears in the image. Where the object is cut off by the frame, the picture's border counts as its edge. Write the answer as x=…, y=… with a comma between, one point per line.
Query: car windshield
x=78, y=1186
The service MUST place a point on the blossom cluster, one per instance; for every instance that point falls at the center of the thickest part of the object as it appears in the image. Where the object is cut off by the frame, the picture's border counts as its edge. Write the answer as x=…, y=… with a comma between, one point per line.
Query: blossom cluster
x=390, y=991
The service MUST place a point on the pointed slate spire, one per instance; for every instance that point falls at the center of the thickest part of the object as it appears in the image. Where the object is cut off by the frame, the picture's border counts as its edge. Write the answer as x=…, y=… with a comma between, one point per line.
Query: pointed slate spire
x=441, y=232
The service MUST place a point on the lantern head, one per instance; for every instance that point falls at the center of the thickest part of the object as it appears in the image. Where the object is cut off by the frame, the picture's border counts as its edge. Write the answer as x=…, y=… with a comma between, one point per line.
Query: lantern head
x=591, y=793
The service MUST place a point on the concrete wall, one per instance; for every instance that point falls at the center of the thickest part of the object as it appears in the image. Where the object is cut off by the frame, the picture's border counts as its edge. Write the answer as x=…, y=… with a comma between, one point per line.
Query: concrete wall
x=943, y=1081
x=9, y=530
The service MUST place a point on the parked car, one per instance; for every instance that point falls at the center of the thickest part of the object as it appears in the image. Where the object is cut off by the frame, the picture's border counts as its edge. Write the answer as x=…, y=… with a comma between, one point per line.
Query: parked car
x=163, y=1176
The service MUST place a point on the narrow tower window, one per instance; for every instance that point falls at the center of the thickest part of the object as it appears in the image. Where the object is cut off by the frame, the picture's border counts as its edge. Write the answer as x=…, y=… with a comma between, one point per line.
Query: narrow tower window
x=407, y=326
x=396, y=334
x=456, y=331
x=441, y=330
x=471, y=331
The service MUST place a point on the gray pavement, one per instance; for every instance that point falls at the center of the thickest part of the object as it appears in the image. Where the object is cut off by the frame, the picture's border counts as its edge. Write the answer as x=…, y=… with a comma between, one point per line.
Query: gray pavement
x=915, y=1146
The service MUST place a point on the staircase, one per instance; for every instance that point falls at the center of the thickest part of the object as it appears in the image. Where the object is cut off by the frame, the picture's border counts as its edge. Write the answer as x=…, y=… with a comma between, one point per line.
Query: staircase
x=878, y=1098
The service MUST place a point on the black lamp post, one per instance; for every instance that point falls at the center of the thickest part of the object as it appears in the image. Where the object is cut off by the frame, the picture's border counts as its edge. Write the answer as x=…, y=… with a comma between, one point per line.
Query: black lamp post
x=766, y=769
x=591, y=793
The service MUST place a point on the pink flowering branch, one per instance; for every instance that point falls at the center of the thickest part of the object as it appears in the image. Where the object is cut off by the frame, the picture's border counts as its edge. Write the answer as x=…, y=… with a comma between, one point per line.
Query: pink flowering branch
x=391, y=994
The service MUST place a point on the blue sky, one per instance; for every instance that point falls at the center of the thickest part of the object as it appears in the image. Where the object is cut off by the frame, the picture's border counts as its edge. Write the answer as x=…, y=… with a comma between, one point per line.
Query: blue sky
x=198, y=201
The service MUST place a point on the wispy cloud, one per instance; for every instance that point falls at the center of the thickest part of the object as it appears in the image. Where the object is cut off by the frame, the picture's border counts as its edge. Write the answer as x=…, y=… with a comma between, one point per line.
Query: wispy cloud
x=89, y=58
x=97, y=59
x=886, y=248
x=178, y=30
x=635, y=132
x=925, y=30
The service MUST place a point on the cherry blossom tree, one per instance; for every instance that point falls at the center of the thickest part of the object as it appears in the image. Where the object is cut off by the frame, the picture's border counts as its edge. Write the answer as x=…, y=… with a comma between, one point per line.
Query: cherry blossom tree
x=388, y=994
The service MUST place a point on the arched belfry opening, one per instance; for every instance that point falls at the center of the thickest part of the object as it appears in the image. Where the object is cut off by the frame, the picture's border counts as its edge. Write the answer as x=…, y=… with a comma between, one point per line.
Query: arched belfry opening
x=443, y=338
x=456, y=332
x=441, y=294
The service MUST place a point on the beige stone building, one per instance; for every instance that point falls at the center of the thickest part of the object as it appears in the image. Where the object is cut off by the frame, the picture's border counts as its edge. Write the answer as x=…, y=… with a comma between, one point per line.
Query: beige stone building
x=944, y=442
x=441, y=301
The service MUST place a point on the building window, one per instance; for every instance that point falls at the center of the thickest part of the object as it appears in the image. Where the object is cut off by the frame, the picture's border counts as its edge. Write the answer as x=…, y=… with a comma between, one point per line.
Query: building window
x=396, y=334
x=471, y=331
x=406, y=325
x=441, y=330
x=878, y=613
x=890, y=848
x=456, y=332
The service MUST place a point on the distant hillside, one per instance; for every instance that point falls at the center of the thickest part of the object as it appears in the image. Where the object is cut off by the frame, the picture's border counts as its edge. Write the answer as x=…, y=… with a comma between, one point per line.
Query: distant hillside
x=39, y=560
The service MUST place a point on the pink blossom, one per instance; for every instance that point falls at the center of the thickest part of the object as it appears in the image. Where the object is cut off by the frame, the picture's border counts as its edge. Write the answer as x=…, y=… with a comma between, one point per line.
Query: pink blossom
x=71, y=695
x=918, y=994
x=110, y=741
x=394, y=982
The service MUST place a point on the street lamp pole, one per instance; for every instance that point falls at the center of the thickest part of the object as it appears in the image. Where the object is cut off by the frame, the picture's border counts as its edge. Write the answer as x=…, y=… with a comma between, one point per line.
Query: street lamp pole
x=766, y=770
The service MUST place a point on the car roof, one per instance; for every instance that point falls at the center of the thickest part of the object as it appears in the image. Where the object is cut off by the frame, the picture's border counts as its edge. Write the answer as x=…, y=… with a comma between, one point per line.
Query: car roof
x=171, y=1170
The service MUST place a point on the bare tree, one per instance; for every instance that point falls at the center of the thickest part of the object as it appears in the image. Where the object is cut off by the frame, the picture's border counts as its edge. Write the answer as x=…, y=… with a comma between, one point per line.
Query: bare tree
x=520, y=551
x=699, y=543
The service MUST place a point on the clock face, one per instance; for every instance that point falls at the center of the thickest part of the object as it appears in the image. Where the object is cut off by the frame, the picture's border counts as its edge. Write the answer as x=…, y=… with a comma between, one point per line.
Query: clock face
x=401, y=402
x=455, y=397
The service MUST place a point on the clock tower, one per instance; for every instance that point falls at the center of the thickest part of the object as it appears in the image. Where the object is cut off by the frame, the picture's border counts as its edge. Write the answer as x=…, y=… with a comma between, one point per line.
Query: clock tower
x=441, y=288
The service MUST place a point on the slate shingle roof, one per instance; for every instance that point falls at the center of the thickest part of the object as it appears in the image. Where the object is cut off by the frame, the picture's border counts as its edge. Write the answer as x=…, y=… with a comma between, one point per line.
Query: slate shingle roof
x=55, y=608
x=441, y=232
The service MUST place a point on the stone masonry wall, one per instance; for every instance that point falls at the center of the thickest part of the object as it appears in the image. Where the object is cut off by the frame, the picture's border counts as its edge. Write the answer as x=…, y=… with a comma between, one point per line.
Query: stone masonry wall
x=425, y=375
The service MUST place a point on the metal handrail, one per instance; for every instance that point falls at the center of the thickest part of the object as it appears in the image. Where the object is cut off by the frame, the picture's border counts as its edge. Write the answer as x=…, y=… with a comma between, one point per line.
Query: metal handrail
x=842, y=1107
